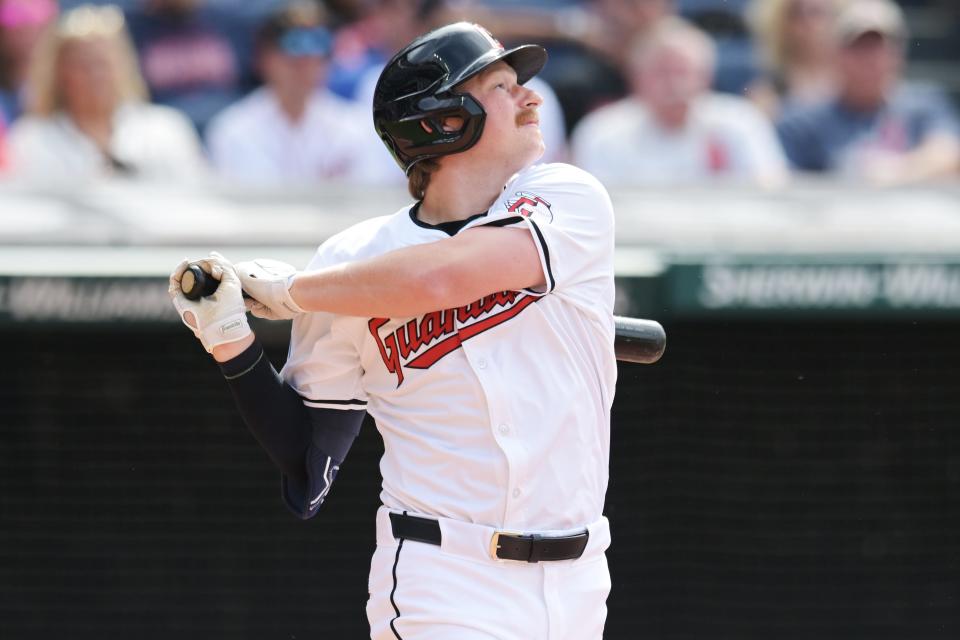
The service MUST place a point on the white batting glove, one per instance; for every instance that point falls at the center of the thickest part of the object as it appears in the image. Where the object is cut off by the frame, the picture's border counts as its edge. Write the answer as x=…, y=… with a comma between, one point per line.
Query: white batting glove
x=219, y=318
x=267, y=282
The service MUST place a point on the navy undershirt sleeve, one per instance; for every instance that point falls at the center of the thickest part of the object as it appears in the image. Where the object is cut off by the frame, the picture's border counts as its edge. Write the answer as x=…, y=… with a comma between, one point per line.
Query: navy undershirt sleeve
x=271, y=409
x=308, y=445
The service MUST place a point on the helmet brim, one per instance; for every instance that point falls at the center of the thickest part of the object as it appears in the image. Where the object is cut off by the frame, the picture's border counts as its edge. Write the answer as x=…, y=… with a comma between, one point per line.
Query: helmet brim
x=526, y=60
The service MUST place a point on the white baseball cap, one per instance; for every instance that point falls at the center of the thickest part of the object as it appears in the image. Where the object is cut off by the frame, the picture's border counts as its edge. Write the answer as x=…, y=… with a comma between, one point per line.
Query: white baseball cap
x=861, y=17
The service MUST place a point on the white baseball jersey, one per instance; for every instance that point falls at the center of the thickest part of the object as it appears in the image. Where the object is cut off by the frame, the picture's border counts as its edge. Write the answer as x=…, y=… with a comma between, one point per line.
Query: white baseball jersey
x=497, y=412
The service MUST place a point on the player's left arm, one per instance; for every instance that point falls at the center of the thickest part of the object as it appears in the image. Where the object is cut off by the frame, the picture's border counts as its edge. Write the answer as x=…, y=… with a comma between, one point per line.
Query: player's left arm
x=308, y=445
x=423, y=278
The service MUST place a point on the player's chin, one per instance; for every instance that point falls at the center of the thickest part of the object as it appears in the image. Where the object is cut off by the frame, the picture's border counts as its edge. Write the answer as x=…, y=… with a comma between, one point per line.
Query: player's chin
x=537, y=150
x=533, y=145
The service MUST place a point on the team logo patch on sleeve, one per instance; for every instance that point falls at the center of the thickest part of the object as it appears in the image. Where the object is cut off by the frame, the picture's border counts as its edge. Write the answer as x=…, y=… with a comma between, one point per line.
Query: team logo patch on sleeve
x=530, y=205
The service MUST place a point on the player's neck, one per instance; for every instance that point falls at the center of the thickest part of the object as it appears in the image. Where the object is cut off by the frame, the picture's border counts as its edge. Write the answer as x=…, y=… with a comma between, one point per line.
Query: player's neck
x=456, y=194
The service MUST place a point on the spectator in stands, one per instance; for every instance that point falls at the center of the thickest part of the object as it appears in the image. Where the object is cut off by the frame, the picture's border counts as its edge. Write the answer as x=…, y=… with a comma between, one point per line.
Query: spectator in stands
x=725, y=22
x=382, y=28
x=344, y=12
x=673, y=129
x=292, y=129
x=627, y=20
x=877, y=128
x=195, y=56
x=585, y=39
x=87, y=113
x=22, y=22
x=796, y=38
x=603, y=26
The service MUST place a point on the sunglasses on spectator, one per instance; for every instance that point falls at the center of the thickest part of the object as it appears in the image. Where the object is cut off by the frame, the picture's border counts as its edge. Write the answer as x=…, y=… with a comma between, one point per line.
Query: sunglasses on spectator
x=298, y=42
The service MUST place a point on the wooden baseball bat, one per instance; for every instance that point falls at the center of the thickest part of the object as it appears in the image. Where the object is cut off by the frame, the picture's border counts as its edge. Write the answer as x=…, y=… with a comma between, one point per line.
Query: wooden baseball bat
x=638, y=341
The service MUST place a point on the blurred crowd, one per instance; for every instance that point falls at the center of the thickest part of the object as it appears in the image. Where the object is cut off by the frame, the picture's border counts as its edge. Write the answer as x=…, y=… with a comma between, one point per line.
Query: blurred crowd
x=638, y=92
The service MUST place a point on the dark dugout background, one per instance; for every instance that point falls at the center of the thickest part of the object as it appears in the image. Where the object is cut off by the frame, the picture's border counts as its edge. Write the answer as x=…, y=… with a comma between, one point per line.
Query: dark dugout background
x=770, y=479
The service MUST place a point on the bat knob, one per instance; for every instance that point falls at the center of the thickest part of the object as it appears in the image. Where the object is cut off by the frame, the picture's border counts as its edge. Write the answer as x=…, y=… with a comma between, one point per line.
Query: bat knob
x=195, y=283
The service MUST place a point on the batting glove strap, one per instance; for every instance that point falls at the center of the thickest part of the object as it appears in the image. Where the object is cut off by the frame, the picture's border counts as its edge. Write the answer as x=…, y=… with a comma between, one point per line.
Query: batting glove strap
x=225, y=330
x=215, y=326
x=268, y=282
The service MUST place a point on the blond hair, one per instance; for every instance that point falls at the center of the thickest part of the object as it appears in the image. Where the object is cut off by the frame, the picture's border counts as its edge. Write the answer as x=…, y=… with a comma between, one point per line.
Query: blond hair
x=768, y=19
x=85, y=23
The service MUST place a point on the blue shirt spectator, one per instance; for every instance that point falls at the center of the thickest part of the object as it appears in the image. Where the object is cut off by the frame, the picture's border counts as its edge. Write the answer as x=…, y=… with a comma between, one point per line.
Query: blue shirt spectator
x=384, y=27
x=877, y=128
x=832, y=137
x=194, y=56
x=9, y=105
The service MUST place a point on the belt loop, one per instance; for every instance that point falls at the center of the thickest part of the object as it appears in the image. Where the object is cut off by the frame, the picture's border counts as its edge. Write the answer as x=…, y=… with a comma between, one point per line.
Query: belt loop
x=407, y=527
x=535, y=549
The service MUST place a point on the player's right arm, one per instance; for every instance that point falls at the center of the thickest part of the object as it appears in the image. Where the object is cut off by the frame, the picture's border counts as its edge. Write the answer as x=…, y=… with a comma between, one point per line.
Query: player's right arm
x=418, y=279
x=404, y=282
x=564, y=236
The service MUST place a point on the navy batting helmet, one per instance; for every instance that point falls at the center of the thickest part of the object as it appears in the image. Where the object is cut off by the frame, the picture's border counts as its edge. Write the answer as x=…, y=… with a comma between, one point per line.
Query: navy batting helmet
x=416, y=88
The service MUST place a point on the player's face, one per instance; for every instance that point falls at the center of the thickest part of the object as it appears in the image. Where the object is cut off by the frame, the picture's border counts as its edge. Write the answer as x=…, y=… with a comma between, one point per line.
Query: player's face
x=511, y=132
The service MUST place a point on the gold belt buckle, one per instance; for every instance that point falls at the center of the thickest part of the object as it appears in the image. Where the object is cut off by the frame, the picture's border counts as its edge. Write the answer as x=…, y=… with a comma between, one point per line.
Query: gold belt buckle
x=495, y=541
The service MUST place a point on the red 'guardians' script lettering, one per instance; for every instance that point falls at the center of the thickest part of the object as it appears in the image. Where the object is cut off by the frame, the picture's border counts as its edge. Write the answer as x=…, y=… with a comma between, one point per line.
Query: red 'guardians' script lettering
x=438, y=331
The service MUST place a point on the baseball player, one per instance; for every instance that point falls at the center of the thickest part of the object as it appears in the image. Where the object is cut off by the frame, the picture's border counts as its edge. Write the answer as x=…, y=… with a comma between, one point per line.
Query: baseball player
x=476, y=327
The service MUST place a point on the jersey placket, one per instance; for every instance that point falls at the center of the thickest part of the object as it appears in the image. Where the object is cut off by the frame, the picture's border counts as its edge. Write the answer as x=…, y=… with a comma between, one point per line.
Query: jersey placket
x=504, y=428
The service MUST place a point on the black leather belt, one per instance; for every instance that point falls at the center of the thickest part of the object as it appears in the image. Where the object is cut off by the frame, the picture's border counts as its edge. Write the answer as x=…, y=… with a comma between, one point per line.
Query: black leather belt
x=503, y=545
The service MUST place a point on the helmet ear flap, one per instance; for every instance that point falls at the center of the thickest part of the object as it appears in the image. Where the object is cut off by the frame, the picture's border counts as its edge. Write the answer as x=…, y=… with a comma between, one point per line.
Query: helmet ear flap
x=433, y=138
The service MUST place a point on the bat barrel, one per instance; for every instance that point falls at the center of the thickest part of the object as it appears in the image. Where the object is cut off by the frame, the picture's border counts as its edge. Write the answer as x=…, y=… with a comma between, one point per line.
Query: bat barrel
x=640, y=341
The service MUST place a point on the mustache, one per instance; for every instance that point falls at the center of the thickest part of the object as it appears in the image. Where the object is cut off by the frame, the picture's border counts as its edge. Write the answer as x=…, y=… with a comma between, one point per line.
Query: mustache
x=528, y=116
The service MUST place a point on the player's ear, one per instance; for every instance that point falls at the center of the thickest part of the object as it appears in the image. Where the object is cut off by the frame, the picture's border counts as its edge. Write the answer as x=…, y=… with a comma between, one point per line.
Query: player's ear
x=453, y=124
x=450, y=124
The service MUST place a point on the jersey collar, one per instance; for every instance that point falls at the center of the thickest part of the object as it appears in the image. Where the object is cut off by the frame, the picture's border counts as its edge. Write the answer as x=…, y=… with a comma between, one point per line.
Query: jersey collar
x=450, y=228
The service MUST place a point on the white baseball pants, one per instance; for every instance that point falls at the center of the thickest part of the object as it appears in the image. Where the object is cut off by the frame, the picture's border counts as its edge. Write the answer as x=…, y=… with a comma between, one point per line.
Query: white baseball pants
x=456, y=591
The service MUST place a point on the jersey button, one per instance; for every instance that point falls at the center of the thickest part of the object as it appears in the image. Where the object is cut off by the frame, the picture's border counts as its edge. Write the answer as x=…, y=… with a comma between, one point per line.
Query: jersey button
x=516, y=493
x=481, y=363
x=504, y=429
